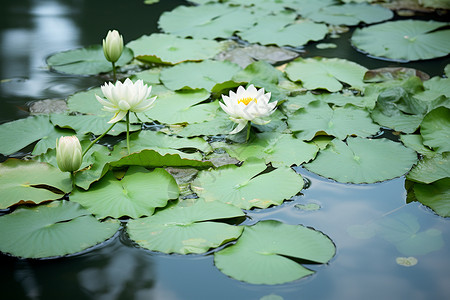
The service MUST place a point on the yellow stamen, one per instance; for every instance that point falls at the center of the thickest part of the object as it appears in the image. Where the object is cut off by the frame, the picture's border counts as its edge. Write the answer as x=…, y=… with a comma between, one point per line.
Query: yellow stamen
x=247, y=100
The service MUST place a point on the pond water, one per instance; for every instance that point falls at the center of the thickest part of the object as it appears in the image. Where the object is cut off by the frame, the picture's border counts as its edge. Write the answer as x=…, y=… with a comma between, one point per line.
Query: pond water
x=361, y=269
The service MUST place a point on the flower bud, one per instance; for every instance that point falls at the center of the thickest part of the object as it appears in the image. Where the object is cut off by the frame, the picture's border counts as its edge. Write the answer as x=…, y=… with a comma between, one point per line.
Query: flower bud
x=113, y=46
x=68, y=153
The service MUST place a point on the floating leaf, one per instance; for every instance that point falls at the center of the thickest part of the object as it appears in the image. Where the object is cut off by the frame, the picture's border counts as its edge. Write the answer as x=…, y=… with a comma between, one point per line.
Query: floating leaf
x=266, y=252
x=278, y=149
x=207, y=21
x=326, y=73
x=280, y=29
x=31, y=182
x=23, y=132
x=351, y=14
x=86, y=61
x=169, y=49
x=186, y=228
x=435, y=195
x=137, y=194
x=55, y=229
x=319, y=118
x=363, y=160
x=97, y=125
x=404, y=40
x=435, y=129
x=246, y=187
x=415, y=142
x=430, y=169
x=49, y=141
x=406, y=261
x=202, y=75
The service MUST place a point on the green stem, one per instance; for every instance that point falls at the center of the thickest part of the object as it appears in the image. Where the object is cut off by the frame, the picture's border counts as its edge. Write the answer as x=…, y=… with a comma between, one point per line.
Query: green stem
x=96, y=140
x=128, y=131
x=249, y=126
x=114, y=71
x=72, y=177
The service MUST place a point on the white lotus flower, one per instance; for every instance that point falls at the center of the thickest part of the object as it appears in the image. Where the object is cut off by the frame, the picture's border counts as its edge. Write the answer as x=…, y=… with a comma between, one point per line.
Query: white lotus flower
x=68, y=153
x=113, y=46
x=248, y=105
x=125, y=97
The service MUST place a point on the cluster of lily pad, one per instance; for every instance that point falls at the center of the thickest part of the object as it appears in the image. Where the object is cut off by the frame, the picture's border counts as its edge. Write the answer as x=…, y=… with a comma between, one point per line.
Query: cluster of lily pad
x=175, y=182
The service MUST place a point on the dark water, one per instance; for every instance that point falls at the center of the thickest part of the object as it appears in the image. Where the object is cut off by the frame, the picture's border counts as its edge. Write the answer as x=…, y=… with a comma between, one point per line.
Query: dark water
x=361, y=269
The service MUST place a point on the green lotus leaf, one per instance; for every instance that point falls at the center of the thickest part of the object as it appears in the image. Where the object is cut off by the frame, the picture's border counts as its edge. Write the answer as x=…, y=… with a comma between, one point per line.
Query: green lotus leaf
x=351, y=14
x=435, y=195
x=266, y=253
x=54, y=229
x=430, y=169
x=187, y=227
x=326, y=73
x=278, y=149
x=97, y=125
x=404, y=40
x=435, y=129
x=149, y=149
x=86, y=103
x=399, y=122
x=245, y=186
x=183, y=107
x=282, y=30
x=318, y=119
x=434, y=88
x=207, y=21
x=86, y=61
x=220, y=124
x=202, y=75
x=22, y=132
x=301, y=101
x=169, y=49
x=363, y=160
x=31, y=182
x=49, y=141
x=415, y=142
x=137, y=194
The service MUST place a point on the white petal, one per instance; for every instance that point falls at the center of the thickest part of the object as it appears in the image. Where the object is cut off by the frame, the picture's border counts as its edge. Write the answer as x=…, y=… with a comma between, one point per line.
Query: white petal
x=241, y=125
x=260, y=121
x=104, y=102
x=118, y=116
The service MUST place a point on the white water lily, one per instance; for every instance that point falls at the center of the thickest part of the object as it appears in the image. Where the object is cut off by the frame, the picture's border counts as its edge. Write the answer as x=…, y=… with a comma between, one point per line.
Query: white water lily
x=113, y=46
x=68, y=153
x=125, y=97
x=248, y=105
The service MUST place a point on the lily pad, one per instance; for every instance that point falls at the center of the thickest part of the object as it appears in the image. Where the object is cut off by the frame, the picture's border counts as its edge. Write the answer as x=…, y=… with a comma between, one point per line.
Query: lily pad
x=186, y=227
x=246, y=186
x=169, y=49
x=415, y=142
x=431, y=169
x=266, y=252
x=31, y=182
x=318, y=119
x=282, y=30
x=137, y=194
x=55, y=229
x=404, y=40
x=326, y=73
x=86, y=61
x=202, y=75
x=49, y=141
x=435, y=129
x=435, y=195
x=363, y=160
x=207, y=21
x=351, y=14
x=23, y=132
x=278, y=149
